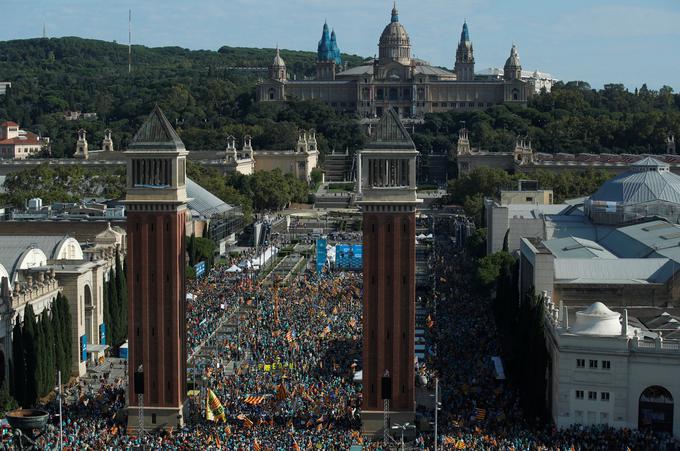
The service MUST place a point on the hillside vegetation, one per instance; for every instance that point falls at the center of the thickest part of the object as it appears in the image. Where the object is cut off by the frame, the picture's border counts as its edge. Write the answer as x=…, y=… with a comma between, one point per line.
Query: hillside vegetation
x=206, y=102
x=572, y=118
x=201, y=97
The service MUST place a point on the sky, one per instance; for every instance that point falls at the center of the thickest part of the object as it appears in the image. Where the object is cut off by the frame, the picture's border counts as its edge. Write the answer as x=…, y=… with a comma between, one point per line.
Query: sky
x=599, y=41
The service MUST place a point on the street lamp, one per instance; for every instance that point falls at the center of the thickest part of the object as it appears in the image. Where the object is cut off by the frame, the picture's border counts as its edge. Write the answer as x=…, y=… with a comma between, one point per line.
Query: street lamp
x=403, y=428
x=437, y=408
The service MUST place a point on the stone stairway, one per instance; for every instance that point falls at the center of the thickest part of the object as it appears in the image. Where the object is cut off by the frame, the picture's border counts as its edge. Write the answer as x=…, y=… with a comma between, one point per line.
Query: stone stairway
x=338, y=167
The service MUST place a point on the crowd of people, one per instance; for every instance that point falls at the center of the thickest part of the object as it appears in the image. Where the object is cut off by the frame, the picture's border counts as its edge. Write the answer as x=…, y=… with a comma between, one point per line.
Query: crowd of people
x=479, y=410
x=285, y=378
x=295, y=352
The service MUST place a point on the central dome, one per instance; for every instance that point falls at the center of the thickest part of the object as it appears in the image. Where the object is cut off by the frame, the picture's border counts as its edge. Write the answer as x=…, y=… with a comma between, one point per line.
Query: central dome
x=394, y=42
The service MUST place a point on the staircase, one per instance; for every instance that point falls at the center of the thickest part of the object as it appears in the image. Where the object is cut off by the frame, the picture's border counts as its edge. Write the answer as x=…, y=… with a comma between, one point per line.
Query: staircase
x=338, y=167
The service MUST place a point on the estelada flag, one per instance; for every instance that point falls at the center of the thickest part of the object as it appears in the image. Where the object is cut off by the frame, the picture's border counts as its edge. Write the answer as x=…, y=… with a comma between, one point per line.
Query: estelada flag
x=213, y=408
x=246, y=421
x=256, y=445
x=281, y=393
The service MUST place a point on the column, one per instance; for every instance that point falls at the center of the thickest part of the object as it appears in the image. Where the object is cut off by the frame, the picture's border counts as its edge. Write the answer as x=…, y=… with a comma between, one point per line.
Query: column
x=359, y=173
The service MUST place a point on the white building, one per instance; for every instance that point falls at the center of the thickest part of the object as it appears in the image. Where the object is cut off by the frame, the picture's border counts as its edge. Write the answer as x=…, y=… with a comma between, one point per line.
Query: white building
x=35, y=268
x=609, y=368
x=19, y=144
x=538, y=80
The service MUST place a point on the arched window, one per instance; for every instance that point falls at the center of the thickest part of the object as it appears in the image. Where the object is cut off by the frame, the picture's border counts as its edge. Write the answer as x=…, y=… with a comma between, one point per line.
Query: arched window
x=655, y=409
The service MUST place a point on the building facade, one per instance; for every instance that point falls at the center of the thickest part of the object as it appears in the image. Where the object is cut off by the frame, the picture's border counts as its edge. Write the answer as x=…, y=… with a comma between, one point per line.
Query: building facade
x=524, y=159
x=395, y=79
x=387, y=190
x=156, y=202
x=37, y=264
x=609, y=368
x=299, y=162
x=18, y=144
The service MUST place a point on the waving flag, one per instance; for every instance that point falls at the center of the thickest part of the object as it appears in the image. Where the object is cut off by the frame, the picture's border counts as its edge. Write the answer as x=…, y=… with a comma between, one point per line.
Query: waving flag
x=213, y=408
x=281, y=393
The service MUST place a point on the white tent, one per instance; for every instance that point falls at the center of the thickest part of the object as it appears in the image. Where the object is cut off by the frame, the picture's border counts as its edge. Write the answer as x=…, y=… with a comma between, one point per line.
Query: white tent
x=234, y=268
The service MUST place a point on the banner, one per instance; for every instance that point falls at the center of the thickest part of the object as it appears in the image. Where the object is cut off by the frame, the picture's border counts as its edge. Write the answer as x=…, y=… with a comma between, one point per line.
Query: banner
x=349, y=257
x=102, y=334
x=83, y=348
x=320, y=254
x=199, y=268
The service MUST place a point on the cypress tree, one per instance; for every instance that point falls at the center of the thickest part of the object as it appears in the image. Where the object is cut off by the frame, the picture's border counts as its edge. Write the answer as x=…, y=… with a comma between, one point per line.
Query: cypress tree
x=121, y=287
x=49, y=351
x=192, y=250
x=65, y=323
x=59, y=358
x=18, y=365
x=31, y=355
x=114, y=303
x=40, y=356
x=107, y=312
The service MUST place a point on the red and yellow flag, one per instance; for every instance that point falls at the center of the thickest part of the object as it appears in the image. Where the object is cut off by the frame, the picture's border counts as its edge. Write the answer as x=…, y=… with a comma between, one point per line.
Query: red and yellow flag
x=281, y=393
x=213, y=408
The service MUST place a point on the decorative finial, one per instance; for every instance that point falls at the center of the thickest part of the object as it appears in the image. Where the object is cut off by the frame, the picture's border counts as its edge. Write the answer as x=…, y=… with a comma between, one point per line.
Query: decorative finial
x=395, y=13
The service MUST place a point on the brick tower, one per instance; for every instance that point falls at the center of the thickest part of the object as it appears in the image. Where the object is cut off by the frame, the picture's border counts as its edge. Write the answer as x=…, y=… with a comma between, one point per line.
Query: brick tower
x=387, y=190
x=156, y=203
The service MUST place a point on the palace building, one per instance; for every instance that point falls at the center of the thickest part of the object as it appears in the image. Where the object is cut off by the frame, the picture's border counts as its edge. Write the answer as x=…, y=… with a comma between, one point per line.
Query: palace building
x=395, y=79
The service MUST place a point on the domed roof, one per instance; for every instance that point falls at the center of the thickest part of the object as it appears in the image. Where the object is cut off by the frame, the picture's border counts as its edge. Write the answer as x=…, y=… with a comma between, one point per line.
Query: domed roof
x=394, y=33
x=278, y=61
x=597, y=320
x=647, y=180
x=513, y=59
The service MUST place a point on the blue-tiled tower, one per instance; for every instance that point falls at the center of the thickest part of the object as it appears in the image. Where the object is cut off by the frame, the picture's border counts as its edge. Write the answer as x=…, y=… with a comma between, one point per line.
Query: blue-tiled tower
x=328, y=49
x=465, y=59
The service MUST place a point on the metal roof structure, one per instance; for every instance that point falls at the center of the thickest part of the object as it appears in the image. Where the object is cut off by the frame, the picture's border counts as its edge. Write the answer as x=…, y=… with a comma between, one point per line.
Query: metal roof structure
x=648, y=180
x=13, y=248
x=624, y=271
x=204, y=202
x=571, y=247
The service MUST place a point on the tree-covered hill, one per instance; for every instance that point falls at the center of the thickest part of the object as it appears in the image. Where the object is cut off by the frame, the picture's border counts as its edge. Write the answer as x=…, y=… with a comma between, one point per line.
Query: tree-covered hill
x=572, y=118
x=205, y=100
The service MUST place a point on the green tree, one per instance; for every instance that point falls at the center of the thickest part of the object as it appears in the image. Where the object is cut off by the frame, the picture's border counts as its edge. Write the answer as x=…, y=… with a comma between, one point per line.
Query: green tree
x=116, y=310
x=121, y=288
x=60, y=360
x=192, y=250
x=490, y=266
x=106, y=306
x=475, y=245
x=30, y=340
x=18, y=365
x=66, y=334
x=49, y=352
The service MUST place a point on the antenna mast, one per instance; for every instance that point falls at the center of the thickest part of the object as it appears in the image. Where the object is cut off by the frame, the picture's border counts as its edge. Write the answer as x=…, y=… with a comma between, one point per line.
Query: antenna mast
x=44, y=31
x=129, y=41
